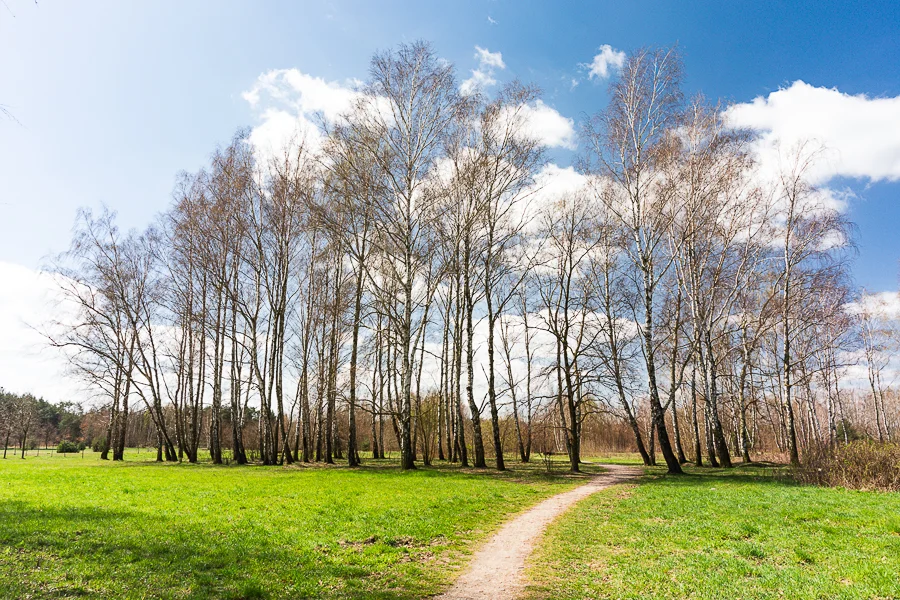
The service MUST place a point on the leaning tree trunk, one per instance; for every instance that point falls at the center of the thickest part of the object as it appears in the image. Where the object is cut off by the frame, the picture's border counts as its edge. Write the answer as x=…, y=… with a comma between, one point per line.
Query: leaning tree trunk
x=656, y=411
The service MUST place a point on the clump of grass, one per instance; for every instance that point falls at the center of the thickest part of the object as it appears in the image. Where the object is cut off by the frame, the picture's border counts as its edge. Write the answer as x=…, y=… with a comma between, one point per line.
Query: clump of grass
x=748, y=530
x=752, y=552
x=251, y=591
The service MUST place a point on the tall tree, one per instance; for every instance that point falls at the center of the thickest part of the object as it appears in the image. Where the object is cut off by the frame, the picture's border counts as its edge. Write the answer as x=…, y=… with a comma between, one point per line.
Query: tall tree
x=409, y=105
x=627, y=144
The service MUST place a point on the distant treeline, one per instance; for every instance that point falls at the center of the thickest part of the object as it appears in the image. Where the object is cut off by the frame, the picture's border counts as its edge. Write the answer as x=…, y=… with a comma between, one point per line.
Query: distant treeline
x=28, y=422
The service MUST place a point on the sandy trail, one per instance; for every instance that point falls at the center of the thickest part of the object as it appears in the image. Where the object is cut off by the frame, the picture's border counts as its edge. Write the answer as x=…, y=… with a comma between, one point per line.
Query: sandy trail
x=496, y=570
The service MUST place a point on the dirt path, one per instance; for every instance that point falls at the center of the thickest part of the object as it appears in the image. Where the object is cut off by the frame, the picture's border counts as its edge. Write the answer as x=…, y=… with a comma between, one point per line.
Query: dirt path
x=496, y=570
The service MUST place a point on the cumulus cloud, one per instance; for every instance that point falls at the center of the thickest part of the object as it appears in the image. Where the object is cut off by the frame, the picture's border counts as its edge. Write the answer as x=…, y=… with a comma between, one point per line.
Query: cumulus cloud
x=604, y=63
x=547, y=125
x=552, y=184
x=279, y=128
x=882, y=312
x=860, y=134
x=479, y=80
x=483, y=76
x=486, y=58
x=555, y=182
x=880, y=305
x=292, y=106
x=306, y=93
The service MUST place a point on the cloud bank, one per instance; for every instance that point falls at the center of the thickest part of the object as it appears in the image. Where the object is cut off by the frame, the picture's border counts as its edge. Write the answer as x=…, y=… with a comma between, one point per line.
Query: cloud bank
x=859, y=133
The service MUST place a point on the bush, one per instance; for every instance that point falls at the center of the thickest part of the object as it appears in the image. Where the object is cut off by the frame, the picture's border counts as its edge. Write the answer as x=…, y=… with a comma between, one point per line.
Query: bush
x=66, y=447
x=99, y=445
x=859, y=465
x=847, y=431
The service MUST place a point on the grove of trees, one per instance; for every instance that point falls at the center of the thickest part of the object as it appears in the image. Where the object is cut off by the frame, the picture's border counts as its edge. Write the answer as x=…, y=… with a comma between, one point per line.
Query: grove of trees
x=406, y=280
x=27, y=422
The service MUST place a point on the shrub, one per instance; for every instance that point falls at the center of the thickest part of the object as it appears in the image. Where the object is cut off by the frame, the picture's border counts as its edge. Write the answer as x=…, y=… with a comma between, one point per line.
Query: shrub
x=860, y=465
x=99, y=445
x=847, y=431
x=66, y=446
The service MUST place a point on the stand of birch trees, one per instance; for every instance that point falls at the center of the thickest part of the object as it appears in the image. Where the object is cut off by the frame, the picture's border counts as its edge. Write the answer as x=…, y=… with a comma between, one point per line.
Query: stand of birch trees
x=408, y=283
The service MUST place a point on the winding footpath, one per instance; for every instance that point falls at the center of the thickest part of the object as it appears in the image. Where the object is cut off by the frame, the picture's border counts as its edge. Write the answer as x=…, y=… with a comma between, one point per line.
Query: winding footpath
x=496, y=570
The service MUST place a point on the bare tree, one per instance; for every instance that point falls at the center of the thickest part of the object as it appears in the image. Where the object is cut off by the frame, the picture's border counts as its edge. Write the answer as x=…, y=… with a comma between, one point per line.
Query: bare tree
x=504, y=157
x=810, y=230
x=627, y=144
x=410, y=104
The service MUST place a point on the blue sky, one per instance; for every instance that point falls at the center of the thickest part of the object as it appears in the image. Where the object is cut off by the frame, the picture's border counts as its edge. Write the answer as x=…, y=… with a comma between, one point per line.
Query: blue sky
x=111, y=99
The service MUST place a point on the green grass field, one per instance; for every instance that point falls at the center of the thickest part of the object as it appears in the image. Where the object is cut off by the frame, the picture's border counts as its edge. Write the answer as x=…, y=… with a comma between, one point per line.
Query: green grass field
x=78, y=527
x=73, y=527
x=717, y=534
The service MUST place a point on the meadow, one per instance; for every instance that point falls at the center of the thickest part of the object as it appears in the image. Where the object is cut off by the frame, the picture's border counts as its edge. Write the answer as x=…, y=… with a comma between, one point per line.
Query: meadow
x=75, y=527
x=748, y=532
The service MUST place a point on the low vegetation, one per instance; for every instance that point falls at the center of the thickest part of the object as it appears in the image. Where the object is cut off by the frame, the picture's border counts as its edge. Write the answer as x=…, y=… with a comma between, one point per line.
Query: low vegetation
x=79, y=527
x=748, y=532
x=67, y=447
x=861, y=465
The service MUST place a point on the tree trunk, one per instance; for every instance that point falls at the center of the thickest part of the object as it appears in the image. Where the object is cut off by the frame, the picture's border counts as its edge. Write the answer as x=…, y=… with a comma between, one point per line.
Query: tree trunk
x=656, y=412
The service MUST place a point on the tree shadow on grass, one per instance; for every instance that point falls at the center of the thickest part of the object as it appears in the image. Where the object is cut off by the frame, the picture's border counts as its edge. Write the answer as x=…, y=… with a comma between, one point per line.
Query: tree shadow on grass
x=532, y=472
x=516, y=472
x=72, y=552
x=756, y=473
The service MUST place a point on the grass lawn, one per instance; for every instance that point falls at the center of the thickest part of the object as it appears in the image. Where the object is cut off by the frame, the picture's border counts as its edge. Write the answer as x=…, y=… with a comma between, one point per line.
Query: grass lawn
x=614, y=458
x=740, y=533
x=78, y=527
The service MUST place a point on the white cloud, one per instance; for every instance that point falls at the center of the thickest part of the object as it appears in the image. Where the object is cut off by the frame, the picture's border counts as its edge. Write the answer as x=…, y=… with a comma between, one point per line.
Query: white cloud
x=292, y=105
x=29, y=301
x=479, y=80
x=486, y=58
x=882, y=309
x=483, y=76
x=556, y=182
x=605, y=63
x=279, y=128
x=881, y=305
x=548, y=126
x=304, y=92
x=861, y=135
x=552, y=185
